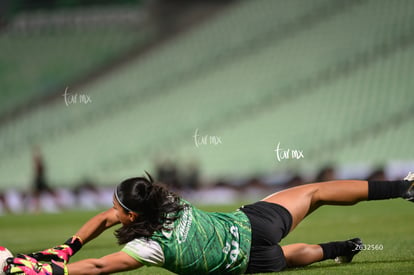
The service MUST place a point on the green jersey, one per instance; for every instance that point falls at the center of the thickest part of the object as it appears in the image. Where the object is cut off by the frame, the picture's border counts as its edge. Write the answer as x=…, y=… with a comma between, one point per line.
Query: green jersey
x=198, y=242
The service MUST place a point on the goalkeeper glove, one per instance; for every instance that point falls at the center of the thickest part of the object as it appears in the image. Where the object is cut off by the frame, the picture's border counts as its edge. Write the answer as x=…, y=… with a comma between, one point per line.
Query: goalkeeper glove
x=23, y=264
x=60, y=253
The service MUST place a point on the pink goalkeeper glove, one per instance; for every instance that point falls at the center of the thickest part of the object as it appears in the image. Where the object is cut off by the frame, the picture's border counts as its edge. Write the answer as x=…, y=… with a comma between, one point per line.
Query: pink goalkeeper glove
x=60, y=253
x=23, y=264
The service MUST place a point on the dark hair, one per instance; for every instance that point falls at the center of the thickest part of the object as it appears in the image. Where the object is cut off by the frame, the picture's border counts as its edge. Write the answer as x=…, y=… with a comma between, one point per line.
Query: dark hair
x=156, y=207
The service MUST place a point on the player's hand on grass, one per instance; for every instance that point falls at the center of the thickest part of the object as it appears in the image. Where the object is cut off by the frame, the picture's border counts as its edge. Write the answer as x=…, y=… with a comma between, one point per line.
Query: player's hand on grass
x=60, y=253
x=23, y=264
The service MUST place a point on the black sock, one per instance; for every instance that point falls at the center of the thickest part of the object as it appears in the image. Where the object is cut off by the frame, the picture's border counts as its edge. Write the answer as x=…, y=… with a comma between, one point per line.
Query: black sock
x=332, y=250
x=380, y=190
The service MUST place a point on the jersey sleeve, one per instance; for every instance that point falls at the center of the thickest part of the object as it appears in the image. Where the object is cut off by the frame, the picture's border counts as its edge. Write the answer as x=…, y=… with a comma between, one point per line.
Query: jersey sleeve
x=147, y=252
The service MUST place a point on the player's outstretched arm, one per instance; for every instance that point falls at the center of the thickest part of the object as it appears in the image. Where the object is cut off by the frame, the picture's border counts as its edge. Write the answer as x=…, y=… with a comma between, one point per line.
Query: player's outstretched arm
x=96, y=225
x=116, y=262
x=90, y=230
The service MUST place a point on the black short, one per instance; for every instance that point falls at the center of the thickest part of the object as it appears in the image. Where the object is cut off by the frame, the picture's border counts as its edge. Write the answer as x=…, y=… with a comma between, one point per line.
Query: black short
x=270, y=223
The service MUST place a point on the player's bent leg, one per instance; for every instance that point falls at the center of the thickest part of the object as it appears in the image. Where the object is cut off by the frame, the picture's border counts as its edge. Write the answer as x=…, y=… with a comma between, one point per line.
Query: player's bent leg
x=302, y=254
x=302, y=200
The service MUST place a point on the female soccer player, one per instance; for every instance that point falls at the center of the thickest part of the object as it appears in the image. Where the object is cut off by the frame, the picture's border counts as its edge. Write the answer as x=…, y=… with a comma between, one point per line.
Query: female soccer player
x=160, y=229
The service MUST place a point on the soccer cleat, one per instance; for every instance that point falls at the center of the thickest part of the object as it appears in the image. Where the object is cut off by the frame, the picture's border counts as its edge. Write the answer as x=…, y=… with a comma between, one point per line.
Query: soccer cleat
x=355, y=245
x=409, y=195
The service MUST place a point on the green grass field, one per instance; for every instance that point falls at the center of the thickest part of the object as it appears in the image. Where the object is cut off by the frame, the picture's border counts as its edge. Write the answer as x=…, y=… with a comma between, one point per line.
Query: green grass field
x=386, y=223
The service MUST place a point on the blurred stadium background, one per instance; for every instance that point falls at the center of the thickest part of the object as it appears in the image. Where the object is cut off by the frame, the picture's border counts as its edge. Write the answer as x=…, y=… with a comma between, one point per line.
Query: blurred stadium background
x=203, y=93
